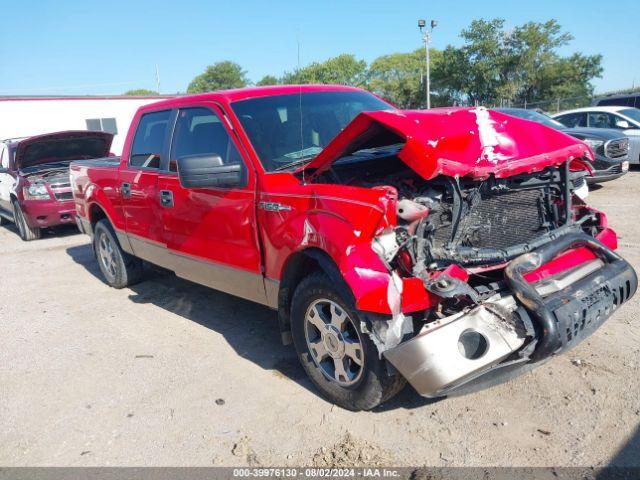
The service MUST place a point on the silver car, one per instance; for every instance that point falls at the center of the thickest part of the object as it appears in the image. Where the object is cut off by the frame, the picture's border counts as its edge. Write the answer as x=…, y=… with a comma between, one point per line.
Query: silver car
x=624, y=119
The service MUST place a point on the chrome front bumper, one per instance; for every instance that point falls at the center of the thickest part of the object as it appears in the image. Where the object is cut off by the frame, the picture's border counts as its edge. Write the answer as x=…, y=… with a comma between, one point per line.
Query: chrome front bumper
x=500, y=335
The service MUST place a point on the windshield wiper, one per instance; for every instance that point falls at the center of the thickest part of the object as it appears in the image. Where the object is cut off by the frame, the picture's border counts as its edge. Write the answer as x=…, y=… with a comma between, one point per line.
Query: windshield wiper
x=296, y=163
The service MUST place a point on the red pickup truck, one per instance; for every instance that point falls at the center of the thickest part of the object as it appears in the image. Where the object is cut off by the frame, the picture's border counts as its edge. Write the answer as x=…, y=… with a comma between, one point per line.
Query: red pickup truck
x=443, y=247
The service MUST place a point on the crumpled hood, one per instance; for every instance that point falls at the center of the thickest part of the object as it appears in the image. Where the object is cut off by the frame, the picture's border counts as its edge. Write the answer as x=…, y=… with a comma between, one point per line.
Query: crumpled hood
x=474, y=142
x=62, y=146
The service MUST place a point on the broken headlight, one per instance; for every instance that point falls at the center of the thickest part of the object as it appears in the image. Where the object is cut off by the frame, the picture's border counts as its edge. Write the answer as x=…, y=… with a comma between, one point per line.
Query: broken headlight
x=36, y=191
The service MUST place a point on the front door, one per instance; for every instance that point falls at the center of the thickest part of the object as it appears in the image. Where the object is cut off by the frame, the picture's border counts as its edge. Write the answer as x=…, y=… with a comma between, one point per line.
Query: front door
x=138, y=185
x=211, y=232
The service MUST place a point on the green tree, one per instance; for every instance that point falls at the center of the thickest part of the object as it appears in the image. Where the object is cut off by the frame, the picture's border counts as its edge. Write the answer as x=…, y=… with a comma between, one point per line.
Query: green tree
x=344, y=69
x=398, y=78
x=219, y=76
x=268, y=80
x=140, y=92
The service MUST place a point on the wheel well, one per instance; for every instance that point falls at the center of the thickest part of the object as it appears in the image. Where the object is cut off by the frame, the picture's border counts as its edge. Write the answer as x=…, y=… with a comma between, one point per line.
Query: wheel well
x=96, y=213
x=298, y=266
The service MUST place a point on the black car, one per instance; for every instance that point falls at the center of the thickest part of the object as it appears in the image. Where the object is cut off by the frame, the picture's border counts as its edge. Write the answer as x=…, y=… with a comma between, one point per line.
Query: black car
x=609, y=146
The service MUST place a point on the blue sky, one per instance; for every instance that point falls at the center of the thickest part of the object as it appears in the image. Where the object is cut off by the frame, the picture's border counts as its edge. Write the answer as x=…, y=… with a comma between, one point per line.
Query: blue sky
x=91, y=47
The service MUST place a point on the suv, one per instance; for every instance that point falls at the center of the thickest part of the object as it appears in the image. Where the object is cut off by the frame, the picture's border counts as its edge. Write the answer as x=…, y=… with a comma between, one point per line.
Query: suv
x=610, y=147
x=35, y=192
x=619, y=100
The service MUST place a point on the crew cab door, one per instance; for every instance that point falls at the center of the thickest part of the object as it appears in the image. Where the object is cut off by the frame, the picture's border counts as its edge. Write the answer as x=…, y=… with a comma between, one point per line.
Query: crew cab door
x=211, y=232
x=138, y=186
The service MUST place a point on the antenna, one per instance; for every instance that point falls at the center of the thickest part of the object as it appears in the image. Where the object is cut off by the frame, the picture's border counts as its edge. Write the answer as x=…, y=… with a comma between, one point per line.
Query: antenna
x=300, y=99
x=157, y=79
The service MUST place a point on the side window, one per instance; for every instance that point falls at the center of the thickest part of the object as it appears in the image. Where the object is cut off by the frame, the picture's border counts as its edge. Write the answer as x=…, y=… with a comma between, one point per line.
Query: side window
x=148, y=142
x=572, y=120
x=200, y=132
x=601, y=120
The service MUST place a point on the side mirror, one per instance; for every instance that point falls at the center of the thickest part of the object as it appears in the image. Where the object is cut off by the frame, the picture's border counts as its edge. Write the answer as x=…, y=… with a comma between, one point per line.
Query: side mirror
x=622, y=124
x=202, y=171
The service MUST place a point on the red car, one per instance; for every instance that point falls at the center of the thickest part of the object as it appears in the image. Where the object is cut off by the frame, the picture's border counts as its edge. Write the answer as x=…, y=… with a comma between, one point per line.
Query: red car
x=443, y=247
x=35, y=192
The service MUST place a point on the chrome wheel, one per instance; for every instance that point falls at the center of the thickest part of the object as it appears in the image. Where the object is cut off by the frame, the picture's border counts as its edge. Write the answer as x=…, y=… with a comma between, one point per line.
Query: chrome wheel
x=107, y=255
x=334, y=342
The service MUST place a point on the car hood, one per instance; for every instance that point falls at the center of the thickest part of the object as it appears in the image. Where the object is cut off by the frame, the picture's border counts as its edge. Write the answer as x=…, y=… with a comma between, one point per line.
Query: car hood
x=474, y=142
x=599, y=133
x=62, y=146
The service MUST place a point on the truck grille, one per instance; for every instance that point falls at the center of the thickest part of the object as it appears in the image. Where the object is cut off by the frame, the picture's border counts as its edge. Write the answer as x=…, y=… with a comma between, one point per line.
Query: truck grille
x=617, y=148
x=498, y=221
x=62, y=191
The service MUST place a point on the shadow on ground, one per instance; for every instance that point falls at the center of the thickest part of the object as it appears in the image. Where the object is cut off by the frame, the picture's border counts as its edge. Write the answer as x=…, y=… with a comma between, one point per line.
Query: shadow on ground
x=249, y=328
x=59, y=231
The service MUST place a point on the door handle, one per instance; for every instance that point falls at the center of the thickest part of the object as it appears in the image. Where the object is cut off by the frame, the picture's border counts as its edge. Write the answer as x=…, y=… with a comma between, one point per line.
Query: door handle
x=166, y=198
x=125, y=188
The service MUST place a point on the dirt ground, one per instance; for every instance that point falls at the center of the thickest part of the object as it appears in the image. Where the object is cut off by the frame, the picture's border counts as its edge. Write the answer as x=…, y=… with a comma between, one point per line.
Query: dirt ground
x=169, y=373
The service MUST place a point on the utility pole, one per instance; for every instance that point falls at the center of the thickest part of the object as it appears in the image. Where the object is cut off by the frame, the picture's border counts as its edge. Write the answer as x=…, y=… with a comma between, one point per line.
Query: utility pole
x=426, y=38
x=157, y=79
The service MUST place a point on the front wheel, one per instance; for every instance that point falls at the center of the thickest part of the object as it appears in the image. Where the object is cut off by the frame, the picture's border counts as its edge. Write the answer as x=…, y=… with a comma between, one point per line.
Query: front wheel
x=341, y=360
x=26, y=232
x=118, y=267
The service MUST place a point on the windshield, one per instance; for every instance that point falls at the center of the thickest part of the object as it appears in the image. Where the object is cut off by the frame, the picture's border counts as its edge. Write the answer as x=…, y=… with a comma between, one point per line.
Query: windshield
x=533, y=116
x=632, y=113
x=292, y=129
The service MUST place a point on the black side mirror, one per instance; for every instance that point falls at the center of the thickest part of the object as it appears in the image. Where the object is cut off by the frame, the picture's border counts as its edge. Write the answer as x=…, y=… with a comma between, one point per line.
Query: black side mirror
x=202, y=171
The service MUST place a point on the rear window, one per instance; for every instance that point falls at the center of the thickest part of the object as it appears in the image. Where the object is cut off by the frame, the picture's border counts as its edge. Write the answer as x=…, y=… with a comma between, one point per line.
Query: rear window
x=148, y=143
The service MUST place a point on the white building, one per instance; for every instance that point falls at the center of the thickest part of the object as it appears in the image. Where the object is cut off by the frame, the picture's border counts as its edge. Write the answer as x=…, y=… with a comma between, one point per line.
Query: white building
x=29, y=116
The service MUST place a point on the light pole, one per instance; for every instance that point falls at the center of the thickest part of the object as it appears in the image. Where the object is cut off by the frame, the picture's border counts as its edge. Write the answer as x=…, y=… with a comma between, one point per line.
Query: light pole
x=426, y=38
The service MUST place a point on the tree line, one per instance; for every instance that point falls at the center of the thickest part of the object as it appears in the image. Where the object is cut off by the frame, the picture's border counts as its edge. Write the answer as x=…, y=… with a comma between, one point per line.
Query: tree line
x=493, y=66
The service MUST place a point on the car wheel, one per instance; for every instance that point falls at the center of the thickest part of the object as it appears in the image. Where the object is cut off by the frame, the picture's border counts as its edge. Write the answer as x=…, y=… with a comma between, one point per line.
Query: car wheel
x=119, y=268
x=341, y=360
x=26, y=232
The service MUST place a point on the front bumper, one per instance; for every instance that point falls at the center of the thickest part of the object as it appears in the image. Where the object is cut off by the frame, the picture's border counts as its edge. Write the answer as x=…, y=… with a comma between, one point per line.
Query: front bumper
x=605, y=172
x=48, y=213
x=507, y=336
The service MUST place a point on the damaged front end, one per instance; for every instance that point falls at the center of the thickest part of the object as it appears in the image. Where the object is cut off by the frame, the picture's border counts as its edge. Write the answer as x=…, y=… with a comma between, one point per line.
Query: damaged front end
x=515, y=267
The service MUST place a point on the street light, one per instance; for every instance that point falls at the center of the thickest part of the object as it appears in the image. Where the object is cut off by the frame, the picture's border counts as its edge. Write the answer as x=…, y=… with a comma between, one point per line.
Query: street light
x=426, y=38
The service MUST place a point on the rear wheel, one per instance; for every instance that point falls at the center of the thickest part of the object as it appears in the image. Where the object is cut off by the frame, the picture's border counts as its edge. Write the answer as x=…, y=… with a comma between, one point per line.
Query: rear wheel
x=118, y=267
x=339, y=358
x=26, y=232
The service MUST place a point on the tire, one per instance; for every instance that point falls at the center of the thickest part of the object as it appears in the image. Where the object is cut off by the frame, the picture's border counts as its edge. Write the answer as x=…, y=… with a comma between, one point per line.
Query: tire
x=119, y=268
x=26, y=232
x=326, y=333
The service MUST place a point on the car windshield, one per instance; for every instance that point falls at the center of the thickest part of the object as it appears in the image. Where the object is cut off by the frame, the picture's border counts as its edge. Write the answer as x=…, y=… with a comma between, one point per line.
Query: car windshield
x=533, y=116
x=287, y=130
x=632, y=113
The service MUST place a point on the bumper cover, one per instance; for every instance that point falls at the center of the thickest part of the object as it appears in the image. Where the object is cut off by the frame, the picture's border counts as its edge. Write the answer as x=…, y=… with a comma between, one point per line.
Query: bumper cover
x=510, y=336
x=48, y=213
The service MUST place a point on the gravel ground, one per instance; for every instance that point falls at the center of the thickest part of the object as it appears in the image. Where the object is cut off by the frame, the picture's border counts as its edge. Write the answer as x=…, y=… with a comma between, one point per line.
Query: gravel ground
x=169, y=373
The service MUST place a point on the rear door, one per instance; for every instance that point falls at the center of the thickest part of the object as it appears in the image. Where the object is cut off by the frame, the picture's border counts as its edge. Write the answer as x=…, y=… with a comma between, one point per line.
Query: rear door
x=139, y=186
x=211, y=232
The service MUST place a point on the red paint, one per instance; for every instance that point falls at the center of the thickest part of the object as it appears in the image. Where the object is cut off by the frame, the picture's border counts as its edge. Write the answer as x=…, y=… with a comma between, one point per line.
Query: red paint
x=449, y=141
x=225, y=227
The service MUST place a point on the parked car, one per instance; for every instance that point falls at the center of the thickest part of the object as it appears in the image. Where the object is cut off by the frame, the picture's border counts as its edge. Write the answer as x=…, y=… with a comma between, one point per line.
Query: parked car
x=619, y=100
x=35, y=192
x=611, y=148
x=624, y=119
x=444, y=247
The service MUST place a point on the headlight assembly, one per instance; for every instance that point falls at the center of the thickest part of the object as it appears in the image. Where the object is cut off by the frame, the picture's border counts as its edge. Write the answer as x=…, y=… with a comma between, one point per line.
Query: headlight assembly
x=593, y=143
x=36, y=191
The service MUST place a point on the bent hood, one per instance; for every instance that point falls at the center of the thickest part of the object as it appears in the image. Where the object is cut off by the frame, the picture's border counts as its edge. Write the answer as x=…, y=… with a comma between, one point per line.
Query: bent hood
x=62, y=146
x=473, y=142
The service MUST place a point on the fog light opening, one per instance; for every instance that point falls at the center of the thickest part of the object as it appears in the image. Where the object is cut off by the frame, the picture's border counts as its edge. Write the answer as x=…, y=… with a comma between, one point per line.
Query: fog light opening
x=472, y=345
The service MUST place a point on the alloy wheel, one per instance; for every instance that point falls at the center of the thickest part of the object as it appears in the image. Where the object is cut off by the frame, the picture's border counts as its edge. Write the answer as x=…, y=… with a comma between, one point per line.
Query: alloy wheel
x=334, y=342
